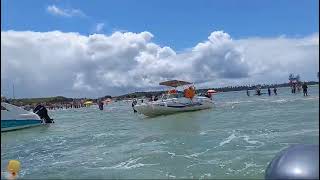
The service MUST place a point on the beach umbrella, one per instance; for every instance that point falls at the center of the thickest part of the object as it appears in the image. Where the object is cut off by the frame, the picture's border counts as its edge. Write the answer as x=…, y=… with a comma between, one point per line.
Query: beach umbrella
x=88, y=103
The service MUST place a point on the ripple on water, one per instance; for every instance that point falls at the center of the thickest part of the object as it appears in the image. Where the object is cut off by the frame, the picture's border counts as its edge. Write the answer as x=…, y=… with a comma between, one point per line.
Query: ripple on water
x=236, y=139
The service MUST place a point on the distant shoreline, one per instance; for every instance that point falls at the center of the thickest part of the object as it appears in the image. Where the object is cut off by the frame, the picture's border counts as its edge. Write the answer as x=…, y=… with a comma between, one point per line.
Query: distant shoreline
x=61, y=99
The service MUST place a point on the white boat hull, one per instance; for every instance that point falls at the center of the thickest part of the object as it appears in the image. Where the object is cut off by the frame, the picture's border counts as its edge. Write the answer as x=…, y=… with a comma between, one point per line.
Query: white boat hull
x=164, y=107
x=13, y=118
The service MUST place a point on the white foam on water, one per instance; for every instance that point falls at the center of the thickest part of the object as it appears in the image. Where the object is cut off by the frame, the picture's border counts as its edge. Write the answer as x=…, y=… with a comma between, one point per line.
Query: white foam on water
x=189, y=166
x=205, y=162
x=238, y=102
x=311, y=131
x=197, y=154
x=280, y=101
x=247, y=139
x=129, y=164
x=103, y=135
x=63, y=141
x=60, y=162
x=247, y=165
x=251, y=164
x=172, y=154
x=207, y=131
x=233, y=102
x=228, y=139
x=206, y=175
x=170, y=176
x=203, y=133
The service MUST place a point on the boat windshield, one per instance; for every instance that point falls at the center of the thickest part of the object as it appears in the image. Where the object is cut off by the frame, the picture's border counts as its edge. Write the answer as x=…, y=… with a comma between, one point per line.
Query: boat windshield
x=168, y=96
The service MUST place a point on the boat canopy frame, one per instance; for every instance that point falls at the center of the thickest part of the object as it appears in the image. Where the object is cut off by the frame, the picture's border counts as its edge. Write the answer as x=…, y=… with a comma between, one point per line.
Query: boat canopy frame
x=174, y=83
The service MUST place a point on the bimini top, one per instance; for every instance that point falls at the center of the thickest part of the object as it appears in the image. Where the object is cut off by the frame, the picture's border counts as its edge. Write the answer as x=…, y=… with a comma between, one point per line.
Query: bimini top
x=174, y=83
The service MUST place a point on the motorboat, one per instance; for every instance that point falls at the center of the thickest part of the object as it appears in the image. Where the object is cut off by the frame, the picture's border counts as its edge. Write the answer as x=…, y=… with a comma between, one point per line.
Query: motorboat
x=13, y=118
x=174, y=102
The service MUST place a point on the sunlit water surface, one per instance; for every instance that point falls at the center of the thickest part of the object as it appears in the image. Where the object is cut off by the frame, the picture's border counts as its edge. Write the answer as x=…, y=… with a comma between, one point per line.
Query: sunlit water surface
x=235, y=139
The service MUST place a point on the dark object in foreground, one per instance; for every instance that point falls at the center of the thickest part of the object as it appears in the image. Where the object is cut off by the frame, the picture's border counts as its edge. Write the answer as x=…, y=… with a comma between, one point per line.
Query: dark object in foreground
x=43, y=113
x=295, y=162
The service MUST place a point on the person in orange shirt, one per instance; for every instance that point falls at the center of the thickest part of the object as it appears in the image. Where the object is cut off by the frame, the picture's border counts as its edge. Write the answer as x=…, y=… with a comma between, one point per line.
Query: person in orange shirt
x=189, y=93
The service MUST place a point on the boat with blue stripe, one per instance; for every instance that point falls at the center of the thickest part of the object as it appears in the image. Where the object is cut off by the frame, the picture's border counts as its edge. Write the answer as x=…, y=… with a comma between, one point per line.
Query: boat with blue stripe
x=13, y=118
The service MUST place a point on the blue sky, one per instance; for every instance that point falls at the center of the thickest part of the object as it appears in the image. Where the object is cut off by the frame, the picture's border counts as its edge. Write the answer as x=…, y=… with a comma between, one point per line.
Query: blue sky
x=178, y=24
x=83, y=48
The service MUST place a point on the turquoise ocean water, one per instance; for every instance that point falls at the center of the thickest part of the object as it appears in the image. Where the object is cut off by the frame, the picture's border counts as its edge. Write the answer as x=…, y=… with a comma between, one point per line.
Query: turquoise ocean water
x=235, y=139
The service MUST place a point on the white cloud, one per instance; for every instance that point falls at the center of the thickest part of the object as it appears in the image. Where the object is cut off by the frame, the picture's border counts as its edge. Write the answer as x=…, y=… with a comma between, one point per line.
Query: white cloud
x=99, y=27
x=54, y=10
x=70, y=64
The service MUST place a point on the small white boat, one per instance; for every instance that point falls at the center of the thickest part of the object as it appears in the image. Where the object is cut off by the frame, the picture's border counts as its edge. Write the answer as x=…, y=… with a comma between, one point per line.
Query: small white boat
x=13, y=118
x=173, y=103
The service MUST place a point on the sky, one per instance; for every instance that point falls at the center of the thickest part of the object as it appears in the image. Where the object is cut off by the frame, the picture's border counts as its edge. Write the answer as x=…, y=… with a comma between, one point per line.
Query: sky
x=96, y=48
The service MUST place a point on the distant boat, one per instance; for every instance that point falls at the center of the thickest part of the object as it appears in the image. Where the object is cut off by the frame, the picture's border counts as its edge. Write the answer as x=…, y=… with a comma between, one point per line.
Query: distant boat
x=13, y=118
x=174, y=102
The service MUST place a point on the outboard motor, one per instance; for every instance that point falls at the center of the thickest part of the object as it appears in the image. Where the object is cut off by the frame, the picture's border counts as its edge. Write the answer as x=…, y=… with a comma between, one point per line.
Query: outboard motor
x=43, y=113
x=295, y=162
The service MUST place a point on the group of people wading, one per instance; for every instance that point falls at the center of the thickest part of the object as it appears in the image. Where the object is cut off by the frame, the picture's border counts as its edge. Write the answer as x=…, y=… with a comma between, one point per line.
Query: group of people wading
x=294, y=88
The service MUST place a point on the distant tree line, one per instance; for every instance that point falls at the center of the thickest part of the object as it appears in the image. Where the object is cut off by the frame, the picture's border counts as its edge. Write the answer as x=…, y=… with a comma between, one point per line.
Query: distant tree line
x=61, y=99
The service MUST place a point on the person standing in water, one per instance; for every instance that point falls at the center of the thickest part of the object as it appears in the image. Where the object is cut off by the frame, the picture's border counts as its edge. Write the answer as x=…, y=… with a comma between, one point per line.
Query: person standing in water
x=275, y=90
x=269, y=91
x=100, y=105
x=134, y=102
x=258, y=92
x=248, y=93
x=305, y=89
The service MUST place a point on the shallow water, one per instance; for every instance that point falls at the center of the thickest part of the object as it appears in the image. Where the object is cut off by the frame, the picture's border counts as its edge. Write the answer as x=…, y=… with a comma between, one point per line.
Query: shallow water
x=235, y=139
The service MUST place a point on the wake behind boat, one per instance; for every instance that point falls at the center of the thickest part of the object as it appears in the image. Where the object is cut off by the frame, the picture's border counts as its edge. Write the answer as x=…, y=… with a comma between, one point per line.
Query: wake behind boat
x=174, y=102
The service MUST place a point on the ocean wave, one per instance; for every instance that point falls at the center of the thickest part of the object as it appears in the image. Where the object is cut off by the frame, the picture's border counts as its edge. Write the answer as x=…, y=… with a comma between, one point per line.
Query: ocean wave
x=169, y=175
x=228, y=139
x=247, y=139
x=280, y=101
x=197, y=154
x=310, y=98
x=102, y=134
x=206, y=162
x=205, y=175
x=129, y=164
x=238, y=102
x=203, y=133
x=172, y=154
x=247, y=165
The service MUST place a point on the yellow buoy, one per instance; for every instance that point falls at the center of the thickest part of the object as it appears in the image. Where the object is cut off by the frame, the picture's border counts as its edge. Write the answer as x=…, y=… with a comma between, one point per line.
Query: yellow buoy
x=13, y=167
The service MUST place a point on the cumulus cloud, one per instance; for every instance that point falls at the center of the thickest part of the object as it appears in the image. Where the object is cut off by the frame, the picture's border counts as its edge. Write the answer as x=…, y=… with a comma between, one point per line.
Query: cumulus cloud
x=54, y=10
x=70, y=64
